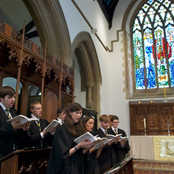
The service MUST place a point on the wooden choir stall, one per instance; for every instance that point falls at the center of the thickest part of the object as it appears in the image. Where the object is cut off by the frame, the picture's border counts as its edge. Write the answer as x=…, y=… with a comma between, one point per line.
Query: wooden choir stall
x=29, y=161
x=33, y=68
x=125, y=167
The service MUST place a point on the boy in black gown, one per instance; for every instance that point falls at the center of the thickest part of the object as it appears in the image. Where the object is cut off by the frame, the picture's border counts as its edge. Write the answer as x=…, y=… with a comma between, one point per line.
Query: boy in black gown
x=105, y=158
x=36, y=135
x=120, y=149
x=9, y=132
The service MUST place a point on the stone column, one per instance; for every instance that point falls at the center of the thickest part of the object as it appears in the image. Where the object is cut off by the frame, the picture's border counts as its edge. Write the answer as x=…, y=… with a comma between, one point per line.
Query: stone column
x=89, y=95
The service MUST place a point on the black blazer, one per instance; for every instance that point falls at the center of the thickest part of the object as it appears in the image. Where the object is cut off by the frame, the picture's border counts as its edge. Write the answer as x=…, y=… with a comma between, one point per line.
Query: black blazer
x=120, y=151
x=33, y=135
x=105, y=158
x=8, y=137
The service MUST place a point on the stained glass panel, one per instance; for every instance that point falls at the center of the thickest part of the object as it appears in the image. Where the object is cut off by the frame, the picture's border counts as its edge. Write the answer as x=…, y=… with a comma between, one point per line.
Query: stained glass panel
x=145, y=7
x=151, y=14
x=162, y=12
x=167, y=3
x=150, y=2
x=156, y=5
x=141, y=15
x=136, y=25
x=172, y=9
x=157, y=21
x=153, y=45
x=149, y=59
x=170, y=51
x=161, y=58
x=169, y=19
x=138, y=60
x=147, y=23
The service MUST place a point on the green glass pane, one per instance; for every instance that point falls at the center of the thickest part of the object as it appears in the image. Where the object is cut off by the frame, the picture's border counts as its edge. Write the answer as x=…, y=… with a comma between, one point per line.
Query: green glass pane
x=167, y=3
x=145, y=7
x=156, y=5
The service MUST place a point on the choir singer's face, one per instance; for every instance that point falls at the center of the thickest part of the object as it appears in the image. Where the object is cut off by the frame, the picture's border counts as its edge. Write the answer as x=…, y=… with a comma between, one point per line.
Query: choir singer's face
x=76, y=115
x=104, y=125
x=89, y=125
x=37, y=110
x=115, y=123
x=8, y=101
x=62, y=115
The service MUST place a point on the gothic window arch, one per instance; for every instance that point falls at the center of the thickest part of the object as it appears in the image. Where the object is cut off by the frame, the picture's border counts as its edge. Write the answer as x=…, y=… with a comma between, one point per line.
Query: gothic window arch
x=153, y=45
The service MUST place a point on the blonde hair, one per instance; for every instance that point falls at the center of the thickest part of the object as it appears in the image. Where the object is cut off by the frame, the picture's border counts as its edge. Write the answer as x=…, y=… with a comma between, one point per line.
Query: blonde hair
x=104, y=118
x=33, y=104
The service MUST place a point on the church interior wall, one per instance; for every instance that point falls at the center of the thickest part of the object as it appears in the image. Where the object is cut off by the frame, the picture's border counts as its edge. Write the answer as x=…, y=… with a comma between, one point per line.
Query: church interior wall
x=76, y=24
x=80, y=95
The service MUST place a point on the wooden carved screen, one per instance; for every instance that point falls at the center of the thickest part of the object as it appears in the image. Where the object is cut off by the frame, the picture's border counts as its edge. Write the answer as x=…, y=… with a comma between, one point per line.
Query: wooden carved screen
x=157, y=115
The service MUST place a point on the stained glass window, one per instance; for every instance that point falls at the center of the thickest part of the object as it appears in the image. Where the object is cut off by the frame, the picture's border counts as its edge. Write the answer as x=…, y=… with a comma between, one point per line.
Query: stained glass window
x=153, y=45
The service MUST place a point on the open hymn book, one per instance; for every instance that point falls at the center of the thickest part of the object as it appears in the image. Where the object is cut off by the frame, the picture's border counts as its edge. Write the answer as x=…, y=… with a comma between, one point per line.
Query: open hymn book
x=22, y=119
x=111, y=137
x=52, y=125
x=98, y=141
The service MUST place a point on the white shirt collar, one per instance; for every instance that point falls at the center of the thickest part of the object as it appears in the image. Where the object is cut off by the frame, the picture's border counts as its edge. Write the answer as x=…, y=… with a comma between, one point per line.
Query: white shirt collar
x=114, y=129
x=3, y=107
x=60, y=121
x=103, y=129
x=34, y=116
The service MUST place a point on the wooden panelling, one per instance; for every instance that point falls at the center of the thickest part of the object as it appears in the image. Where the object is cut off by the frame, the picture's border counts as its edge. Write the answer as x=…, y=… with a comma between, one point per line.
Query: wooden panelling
x=156, y=114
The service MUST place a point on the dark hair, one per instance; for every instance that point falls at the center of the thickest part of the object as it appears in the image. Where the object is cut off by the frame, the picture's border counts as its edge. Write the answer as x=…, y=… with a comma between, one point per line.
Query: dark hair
x=104, y=118
x=74, y=129
x=7, y=90
x=60, y=110
x=85, y=120
x=114, y=117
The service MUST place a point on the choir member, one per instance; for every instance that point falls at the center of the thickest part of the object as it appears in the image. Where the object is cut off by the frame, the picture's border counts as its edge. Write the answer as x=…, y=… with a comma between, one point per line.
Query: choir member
x=66, y=156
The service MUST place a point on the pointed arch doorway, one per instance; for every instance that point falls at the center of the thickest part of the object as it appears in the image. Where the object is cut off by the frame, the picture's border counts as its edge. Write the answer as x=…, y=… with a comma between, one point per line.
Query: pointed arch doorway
x=85, y=53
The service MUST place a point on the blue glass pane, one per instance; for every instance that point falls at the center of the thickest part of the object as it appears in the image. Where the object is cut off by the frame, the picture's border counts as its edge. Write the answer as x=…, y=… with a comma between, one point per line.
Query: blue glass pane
x=150, y=2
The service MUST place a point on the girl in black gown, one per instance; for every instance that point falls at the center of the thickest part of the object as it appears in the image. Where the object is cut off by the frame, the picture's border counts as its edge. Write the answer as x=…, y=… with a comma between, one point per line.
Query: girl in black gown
x=66, y=157
x=91, y=163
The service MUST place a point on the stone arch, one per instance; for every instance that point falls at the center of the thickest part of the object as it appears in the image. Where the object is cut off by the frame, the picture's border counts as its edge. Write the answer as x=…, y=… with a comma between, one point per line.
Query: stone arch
x=51, y=25
x=87, y=58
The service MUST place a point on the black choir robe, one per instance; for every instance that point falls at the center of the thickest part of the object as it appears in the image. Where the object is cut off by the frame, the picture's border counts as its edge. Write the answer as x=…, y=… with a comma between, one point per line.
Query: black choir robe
x=105, y=158
x=33, y=135
x=91, y=163
x=120, y=151
x=59, y=160
x=8, y=137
